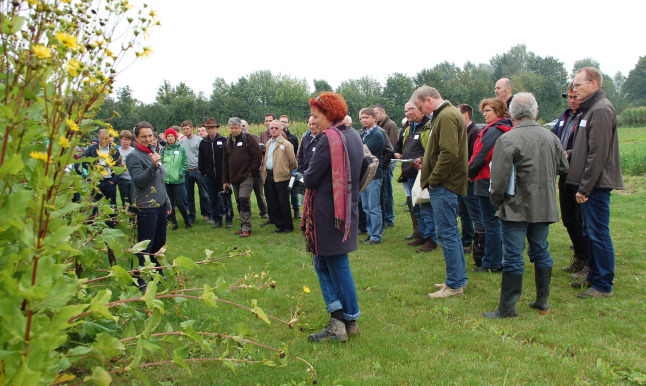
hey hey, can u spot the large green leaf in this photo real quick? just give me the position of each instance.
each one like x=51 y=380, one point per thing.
x=107 y=346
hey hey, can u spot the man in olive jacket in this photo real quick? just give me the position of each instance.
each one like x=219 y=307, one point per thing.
x=595 y=169
x=526 y=161
x=444 y=172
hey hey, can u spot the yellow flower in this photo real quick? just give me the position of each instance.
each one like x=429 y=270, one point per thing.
x=67 y=40
x=73 y=126
x=41 y=51
x=306 y=289
x=64 y=142
x=145 y=53
x=109 y=53
x=39 y=156
x=32 y=2
x=113 y=132
x=73 y=67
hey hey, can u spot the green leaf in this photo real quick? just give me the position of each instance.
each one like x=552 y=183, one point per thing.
x=12 y=165
x=243 y=330
x=209 y=297
x=60 y=235
x=108 y=346
x=259 y=312
x=151 y=323
x=121 y=275
x=97 y=305
x=229 y=365
x=179 y=354
x=184 y=264
x=221 y=286
x=99 y=376
x=138 y=354
x=140 y=246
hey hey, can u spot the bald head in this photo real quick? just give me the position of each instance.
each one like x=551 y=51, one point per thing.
x=503 y=89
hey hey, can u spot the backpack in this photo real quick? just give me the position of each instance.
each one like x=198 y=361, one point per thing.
x=369 y=167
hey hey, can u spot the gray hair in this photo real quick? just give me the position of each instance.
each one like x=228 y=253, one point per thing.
x=280 y=124
x=425 y=92
x=523 y=105
x=234 y=121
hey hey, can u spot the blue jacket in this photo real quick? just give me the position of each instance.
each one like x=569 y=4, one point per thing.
x=375 y=142
x=560 y=125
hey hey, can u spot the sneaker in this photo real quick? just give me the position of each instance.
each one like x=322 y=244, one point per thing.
x=581 y=284
x=245 y=234
x=593 y=293
x=446 y=292
x=429 y=245
x=352 y=327
x=238 y=232
x=229 y=224
x=371 y=242
x=335 y=330
x=264 y=215
x=209 y=221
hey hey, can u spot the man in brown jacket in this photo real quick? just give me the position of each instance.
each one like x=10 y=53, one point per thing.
x=241 y=163
x=279 y=162
x=444 y=172
x=596 y=171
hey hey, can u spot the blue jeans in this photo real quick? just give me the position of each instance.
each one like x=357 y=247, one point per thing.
x=294 y=199
x=337 y=285
x=387 y=204
x=371 y=205
x=190 y=179
x=601 y=254
x=469 y=210
x=493 y=243
x=425 y=216
x=445 y=208
x=513 y=241
x=214 y=187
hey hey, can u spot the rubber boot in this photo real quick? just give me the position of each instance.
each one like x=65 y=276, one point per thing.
x=512 y=287
x=543 y=276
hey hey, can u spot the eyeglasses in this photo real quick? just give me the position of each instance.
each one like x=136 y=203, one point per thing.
x=274 y=128
x=487 y=110
x=580 y=84
x=572 y=97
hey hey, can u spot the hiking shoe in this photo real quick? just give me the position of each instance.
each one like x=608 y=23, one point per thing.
x=351 y=327
x=412 y=236
x=245 y=234
x=581 y=284
x=371 y=242
x=175 y=227
x=593 y=293
x=468 y=249
x=387 y=225
x=268 y=222
x=440 y=285
x=264 y=215
x=446 y=292
x=582 y=274
x=229 y=224
x=429 y=245
x=217 y=225
x=335 y=330
x=487 y=270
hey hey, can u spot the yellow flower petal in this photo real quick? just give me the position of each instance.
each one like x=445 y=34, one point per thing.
x=64 y=142
x=73 y=126
x=67 y=40
x=306 y=289
x=41 y=51
x=73 y=67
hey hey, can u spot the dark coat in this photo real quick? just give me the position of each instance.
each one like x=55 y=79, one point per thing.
x=376 y=144
x=319 y=176
x=210 y=156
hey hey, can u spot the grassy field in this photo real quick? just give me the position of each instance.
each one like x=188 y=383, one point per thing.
x=407 y=338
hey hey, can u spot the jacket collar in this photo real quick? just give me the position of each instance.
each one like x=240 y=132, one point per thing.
x=589 y=101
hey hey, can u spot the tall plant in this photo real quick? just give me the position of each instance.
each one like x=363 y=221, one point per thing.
x=58 y=61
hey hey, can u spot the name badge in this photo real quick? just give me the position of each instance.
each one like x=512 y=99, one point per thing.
x=313 y=149
x=583 y=123
x=176 y=152
x=282 y=147
x=219 y=143
x=561 y=123
x=416 y=136
x=239 y=144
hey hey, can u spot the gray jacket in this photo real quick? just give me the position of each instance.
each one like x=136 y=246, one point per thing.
x=539 y=158
x=150 y=191
x=595 y=157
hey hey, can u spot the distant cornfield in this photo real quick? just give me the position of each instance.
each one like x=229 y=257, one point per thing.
x=632 y=117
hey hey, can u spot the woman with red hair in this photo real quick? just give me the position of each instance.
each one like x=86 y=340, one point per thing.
x=330 y=213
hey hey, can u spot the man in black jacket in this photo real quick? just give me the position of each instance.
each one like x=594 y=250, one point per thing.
x=284 y=119
x=210 y=155
x=392 y=130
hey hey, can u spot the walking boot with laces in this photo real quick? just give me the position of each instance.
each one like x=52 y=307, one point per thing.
x=429 y=245
x=335 y=330
x=542 y=276
x=578 y=263
x=582 y=274
x=351 y=327
x=512 y=287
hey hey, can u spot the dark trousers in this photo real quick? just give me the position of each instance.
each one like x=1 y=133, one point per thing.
x=151 y=225
x=571 y=216
x=107 y=190
x=127 y=192
x=278 y=202
x=190 y=179
x=258 y=191
x=175 y=194
x=363 y=221
x=214 y=187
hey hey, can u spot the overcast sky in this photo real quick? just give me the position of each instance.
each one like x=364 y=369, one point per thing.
x=338 y=40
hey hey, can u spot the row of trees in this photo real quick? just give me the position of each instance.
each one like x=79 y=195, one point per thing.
x=252 y=96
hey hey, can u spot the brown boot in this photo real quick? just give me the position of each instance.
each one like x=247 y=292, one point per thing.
x=582 y=274
x=419 y=241
x=428 y=246
x=577 y=265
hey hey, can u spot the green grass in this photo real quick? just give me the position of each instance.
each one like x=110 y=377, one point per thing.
x=407 y=338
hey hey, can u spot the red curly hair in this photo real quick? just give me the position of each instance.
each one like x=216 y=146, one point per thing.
x=332 y=105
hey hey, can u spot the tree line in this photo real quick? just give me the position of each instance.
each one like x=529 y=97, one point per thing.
x=261 y=92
